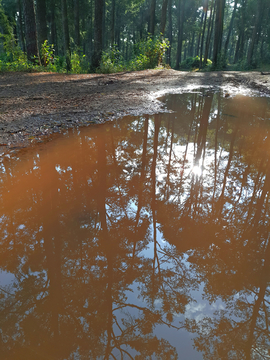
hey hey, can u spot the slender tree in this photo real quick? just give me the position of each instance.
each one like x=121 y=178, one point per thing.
x=163 y=16
x=98 y=33
x=209 y=33
x=41 y=14
x=30 y=31
x=152 y=17
x=52 y=25
x=20 y=26
x=170 y=35
x=113 y=23
x=220 y=6
x=181 y=11
x=255 y=33
x=77 y=37
x=66 y=34
x=230 y=28
x=205 y=9
x=199 y=35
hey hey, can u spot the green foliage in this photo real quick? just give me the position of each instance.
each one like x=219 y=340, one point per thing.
x=192 y=63
x=79 y=63
x=5 y=26
x=221 y=63
x=112 y=61
x=47 y=53
x=147 y=54
x=13 y=58
x=243 y=65
x=154 y=49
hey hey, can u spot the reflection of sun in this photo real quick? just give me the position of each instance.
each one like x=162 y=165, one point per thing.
x=197 y=170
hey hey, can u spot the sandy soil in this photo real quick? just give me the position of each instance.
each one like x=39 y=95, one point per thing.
x=32 y=106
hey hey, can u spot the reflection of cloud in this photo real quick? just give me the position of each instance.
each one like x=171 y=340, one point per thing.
x=217 y=306
x=193 y=308
x=199 y=310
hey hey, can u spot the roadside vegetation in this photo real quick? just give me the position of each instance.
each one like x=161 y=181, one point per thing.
x=147 y=54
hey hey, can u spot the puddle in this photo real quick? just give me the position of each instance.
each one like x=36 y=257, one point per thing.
x=144 y=236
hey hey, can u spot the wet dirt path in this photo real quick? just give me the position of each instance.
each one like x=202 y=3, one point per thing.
x=35 y=105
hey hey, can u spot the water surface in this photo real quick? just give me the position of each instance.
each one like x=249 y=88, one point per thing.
x=141 y=237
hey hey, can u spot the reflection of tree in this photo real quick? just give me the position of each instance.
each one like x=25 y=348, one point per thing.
x=222 y=221
x=77 y=255
x=232 y=256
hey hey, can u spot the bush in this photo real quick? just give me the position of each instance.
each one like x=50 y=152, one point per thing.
x=152 y=50
x=47 y=54
x=112 y=61
x=146 y=55
x=79 y=63
x=192 y=63
x=13 y=58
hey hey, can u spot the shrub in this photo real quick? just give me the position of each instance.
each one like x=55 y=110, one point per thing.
x=154 y=49
x=192 y=63
x=147 y=54
x=47 y=53
x=112 y=61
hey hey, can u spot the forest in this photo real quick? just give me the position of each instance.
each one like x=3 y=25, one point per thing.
x=86 y=36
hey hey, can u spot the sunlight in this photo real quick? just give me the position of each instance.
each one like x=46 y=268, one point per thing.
x=197 y=170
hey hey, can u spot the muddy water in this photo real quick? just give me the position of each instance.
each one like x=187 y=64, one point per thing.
x=141 y=237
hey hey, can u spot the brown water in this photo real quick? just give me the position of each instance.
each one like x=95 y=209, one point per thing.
x=141 y=237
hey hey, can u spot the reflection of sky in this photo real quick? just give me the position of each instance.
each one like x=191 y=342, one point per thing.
x=196 y=309
x=6 y=278
x=180 y=339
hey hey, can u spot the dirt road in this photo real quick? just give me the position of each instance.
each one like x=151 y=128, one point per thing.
x=35 y=105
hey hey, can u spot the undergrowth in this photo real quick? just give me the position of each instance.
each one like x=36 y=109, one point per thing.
x=14 y=59
x=147 y=54
x=193 y=63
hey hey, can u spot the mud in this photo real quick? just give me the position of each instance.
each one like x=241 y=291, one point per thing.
x=35 y=105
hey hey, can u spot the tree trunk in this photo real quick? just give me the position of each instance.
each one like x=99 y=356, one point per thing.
x=104 y=25
x=30 y=31
x=20 y=26
x=218 y=30
x=163 y=16
x=191 y=46
x=113 y=23
x=204 y=26
x=239 y=51
x=66 y=34
x=53 y=25
x=41 y=21
x=152 y=17
x=255 y=31
x=199 y=37
x=170 y=37
x=230 y=28
x=98 y=35
x=209 y=34
x=89 y=47
x=181 y=8
x=77 y=37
